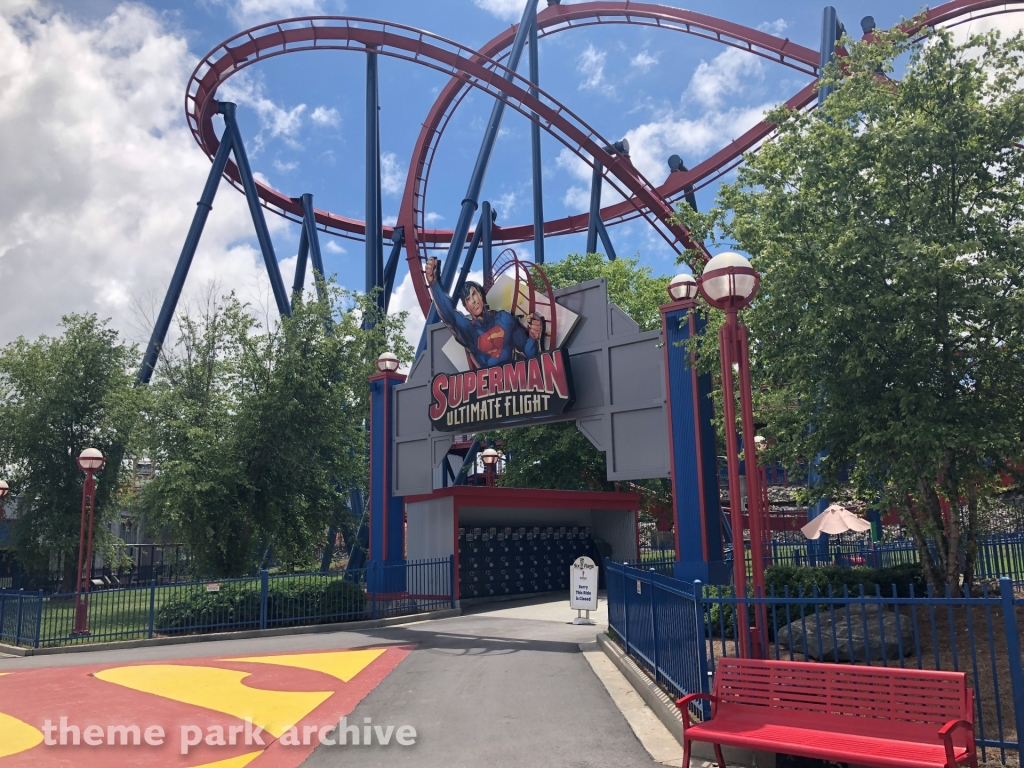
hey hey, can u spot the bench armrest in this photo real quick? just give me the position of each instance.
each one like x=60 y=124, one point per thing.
x=684 y=704
x=946 y=736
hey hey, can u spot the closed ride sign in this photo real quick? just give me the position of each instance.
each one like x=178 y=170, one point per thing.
x=583 y=585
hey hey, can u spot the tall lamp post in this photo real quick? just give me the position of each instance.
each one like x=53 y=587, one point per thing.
x=90 y=461
x=490 y=459
x=729 y=283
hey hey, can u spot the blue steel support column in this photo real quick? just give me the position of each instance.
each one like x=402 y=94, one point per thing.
x=467 y=264
x=372 y=193
x=487 y=217
x=609 y=249
x=256 y=210
x=387 y=526
x=476 y=179
x=538 y=189
x=300 y=263
x=831 y=31
x=695 y=500
x=595 y=208
x=391 y=268
x=188 y=252
x=313 y=239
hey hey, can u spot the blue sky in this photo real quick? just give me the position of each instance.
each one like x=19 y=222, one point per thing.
x=105 y=176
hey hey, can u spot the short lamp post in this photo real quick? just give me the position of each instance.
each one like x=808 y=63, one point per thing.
x=90 y=461
x=4 y=490
x=489 y=457
x=730 y=283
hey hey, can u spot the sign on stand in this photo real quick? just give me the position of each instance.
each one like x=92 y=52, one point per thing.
x=583 y=588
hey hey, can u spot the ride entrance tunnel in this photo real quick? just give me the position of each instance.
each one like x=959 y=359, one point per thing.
x=266 y=710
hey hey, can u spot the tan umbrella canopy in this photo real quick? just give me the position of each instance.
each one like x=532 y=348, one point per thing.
x=835 y=519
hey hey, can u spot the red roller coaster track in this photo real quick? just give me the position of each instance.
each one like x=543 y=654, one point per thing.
x=483 y=70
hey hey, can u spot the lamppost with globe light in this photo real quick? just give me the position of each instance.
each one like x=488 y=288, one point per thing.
x=490 y=459
x=729 y=283
x=90 y=461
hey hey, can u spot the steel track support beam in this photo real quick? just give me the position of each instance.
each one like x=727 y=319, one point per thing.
x=483 y=158
x=256 y=210
x=188 y=252
x=595 y=208
x=313 y=240
x=538 y=190
x=374 y=244
x=486 y=228
x=831 y=30
x=391 y=268
x=302 y=257
x=467 y=264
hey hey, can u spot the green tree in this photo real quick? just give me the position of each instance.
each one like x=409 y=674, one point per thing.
x=887 y=226
x=559 y=456
x=58 y=396
x=259 y=433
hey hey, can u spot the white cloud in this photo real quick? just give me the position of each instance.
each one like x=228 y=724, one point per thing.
x=432 y=218
x=776 y=27
x=392 y=174
x=505 y=205
x=403 y=299
x=247 y=91
x=249 y=13
x=324 y=116
x=591 y=65
x=389 y=221
x=643 y=61
x=101 y=174
x=509 y=10
x=577 y=199
x=652 y=143
x=726 y=75
x=569 y=161
x=284 y=167
x=333 y=246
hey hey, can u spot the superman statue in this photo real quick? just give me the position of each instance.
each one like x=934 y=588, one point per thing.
x=490 y=338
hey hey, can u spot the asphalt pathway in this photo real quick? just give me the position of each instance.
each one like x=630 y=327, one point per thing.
x=505 y=684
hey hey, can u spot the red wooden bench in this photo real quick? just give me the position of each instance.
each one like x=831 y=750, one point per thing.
x=873 y=716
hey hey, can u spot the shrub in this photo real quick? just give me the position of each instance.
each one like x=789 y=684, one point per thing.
x=290 y=601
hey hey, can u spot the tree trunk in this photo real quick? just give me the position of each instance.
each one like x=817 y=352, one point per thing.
x=971 y=545
x=932 y=571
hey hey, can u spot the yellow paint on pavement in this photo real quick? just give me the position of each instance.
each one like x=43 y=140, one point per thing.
x=233 y=762
x=343 y=665
x=16 y=736
x=220 y=690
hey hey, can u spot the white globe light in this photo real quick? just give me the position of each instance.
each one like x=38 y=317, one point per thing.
x=489 y=456
x=387 y=362
x=91 y=460
x=4 y=488
x=728 y=279
x=683 y=286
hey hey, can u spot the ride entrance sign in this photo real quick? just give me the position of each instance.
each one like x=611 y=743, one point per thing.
x=583 y=588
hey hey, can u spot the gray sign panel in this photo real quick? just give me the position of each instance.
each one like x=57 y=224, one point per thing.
x=619 y=376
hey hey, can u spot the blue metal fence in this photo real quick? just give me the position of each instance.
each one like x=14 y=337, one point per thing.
x=999 y=555
x=380 y=590
x=677 y=630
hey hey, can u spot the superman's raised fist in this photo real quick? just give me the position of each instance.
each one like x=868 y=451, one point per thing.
x=433 y=266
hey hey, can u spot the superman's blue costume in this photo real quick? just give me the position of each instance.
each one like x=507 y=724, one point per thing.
x=492 y=339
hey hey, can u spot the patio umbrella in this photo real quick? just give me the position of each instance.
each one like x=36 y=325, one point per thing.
x=835 y=519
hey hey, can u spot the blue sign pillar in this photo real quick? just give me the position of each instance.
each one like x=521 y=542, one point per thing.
x=387 y=523
x=695 y=502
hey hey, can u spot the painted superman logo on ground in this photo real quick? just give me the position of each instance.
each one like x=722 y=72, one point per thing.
x=265 y=711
